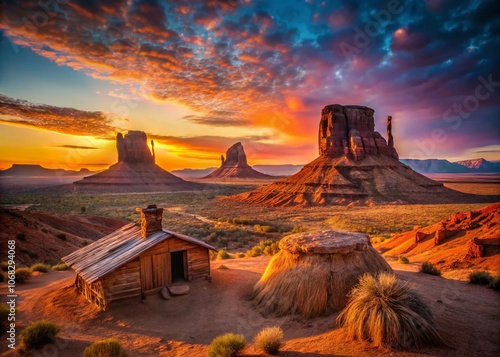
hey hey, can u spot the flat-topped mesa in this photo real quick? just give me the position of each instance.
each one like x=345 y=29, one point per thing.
x=133 y=148
x=350 y=129
x=235 y=156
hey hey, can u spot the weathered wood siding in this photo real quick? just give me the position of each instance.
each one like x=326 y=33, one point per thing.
x=94 y=292
x=198 y=263
x=123 y=283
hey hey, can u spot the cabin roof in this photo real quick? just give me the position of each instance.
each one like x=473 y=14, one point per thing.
x=118 y=248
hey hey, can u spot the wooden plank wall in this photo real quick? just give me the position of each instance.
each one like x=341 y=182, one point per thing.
x=123 y=283
x=94 y=292
x=198 y=263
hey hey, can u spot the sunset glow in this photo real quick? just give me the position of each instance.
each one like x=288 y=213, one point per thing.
x=199 y=76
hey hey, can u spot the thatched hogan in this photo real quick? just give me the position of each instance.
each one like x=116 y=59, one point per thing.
x=137 y=260
x=314 y=272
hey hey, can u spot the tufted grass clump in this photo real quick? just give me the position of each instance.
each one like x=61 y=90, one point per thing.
x=60 y=267
x=228 y=345
x=429 y=268
x=269 y=339
x=105 y=348
x=22 y=274
x=42 y=268
x=38 y=334
x=480 y=277
x=388 y=312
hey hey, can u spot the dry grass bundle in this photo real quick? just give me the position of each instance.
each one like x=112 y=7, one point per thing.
x=313 y=284
x=386 y=311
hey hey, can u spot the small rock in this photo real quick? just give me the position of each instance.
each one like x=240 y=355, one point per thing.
x=165 y=294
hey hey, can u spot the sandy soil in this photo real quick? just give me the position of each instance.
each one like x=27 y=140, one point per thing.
x=468 y=316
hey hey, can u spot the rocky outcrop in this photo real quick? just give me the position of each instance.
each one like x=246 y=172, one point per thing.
x=135 y=170
x=235 y=166
x=355 y=166
x=350 y=130
x=133 y=148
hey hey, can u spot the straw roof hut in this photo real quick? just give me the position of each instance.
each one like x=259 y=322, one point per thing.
x=314 y=272
x=137 y=260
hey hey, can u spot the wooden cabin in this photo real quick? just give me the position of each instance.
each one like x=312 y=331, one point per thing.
x=138 y=260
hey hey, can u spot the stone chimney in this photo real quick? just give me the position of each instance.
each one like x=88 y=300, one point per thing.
x=150 y=220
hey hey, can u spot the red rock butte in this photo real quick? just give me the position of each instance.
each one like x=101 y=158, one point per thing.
x=135 y=170
x=356 y=164
x=235 y=166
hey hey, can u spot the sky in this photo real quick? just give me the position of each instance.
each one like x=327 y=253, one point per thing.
x=198 y=76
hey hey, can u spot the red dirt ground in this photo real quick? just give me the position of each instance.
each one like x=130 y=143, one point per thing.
x=467 y=315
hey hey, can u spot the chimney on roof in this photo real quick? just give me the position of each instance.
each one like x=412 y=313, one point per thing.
x=150 y=220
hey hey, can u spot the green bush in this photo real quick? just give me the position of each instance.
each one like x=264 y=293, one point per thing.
x=38 y=334
x=240 y=255
x=495 y=283
x=22 y=274
x=227 y=345
x=105 y=348
x=264 y=229
x=40 y=267
x=429 y=268
x=403 y=260
x=60 y=267
x=269 y=339
x=480 y=277
x=223 y=254
x=254 y=252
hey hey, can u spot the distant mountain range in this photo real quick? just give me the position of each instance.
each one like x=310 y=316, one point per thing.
x=445 y=166
x=22 y=170
x=422 y=166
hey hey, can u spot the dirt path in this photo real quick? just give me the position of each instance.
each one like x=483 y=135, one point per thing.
x=468 y=316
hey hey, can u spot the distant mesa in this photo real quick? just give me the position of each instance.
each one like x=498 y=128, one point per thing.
x=235 y=166
x=136 y=169
x=356 y=166
x=28 y=170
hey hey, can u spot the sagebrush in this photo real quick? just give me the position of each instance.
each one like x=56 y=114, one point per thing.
x=388 y=312
x=429 y=268
x=105 y=348
x=38 y=334
x=269 y=339
x=480 y=277
x=228 y=345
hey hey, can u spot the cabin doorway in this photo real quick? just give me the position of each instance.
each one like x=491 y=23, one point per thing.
x=178 y=261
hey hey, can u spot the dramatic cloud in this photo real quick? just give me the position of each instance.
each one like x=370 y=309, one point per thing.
x=60 y=120
x=237 y=62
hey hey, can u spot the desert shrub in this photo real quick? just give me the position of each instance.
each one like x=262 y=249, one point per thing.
x=83 y=209
x=4 y=314
x=61 y=236
x=240 y=255
x=429 y=268
x=38 y=334
x=386 y=311
x=295 y=229
x=264 y=229
x=254 y=252
x=495 y=283
x=403 y=260
x=40 y=267
x=21 y=236
x=85 y=243
x=22 y=274
x=269 y=339
x=60 y=267
x=227 y=345
x=480 y=277
x=222 y=267
x=105 y=348
x=223 y=254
